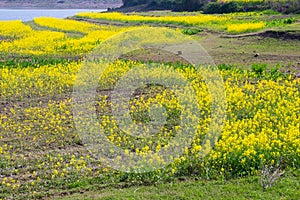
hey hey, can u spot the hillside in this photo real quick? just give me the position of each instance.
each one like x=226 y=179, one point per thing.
x=60 y=4
x=211 y=6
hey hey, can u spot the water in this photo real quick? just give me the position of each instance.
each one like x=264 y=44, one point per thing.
x=30 y=14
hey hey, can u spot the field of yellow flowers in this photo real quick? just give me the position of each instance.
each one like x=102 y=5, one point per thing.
x=41 y=153
x=233 y=23
x=22 y=39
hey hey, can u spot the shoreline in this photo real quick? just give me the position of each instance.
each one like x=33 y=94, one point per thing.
x=81 y=6
x=44 y=8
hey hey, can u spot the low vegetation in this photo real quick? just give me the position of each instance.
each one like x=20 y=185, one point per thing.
x=219 y=6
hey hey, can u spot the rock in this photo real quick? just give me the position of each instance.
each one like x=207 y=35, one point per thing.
x=297 y=75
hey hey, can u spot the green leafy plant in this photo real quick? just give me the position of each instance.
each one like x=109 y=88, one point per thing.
x=191 y=31
x=259 y=68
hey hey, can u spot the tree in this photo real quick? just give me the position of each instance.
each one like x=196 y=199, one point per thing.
x=135 y=2
x=178 y=5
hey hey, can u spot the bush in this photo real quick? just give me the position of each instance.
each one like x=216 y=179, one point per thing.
x=215 y=7
x=211 y=8
x=270 y=12
x=191 y=31
x=230 y=7
x=289 y=21
x=259 y=68
x=225 y=67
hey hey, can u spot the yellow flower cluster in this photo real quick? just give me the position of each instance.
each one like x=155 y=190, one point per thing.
x=262 y=123
x=38 y=42
x=184 y=20
x=18 y=83
x=14 y=29
x=245 y=27
x=10 y=182
x=66 y=25
x=47 y=42
x=232 y=22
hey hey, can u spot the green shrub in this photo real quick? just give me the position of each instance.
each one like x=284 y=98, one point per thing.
x=270 y=12
x=225 y=67
x=215 y=7
x=289 y=20
x=259 y=68
x=191 y=31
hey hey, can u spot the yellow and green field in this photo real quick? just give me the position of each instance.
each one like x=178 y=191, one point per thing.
x=42 y=154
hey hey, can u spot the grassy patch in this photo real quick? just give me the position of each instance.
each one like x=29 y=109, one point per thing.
x=242 y=188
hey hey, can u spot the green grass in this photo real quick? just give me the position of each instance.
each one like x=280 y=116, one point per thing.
x=287 y=187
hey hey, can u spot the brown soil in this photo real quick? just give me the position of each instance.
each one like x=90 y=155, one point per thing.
x=154 y=55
